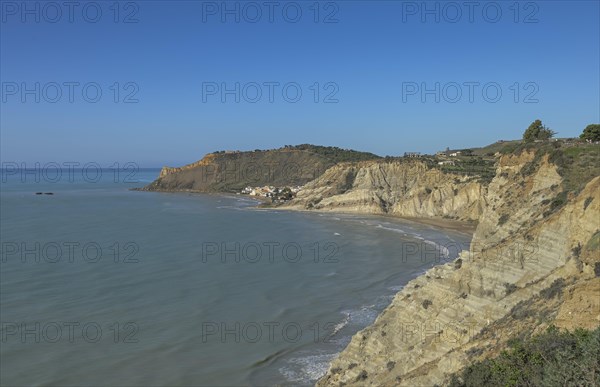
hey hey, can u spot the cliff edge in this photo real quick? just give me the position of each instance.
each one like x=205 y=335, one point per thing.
x=534 y=261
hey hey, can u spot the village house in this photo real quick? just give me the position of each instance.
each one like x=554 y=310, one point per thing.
x=443 y=153
x=270 y=191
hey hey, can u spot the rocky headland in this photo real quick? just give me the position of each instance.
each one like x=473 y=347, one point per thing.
x=232 y=171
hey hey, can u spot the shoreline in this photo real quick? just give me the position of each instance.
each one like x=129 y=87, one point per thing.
x=460 y=226
x=263 y=203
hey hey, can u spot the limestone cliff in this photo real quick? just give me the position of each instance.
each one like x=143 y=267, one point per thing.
x=534 y=261
x=402 y=188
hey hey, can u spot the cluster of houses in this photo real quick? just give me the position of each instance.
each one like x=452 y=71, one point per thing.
x=275 y=193
x=446 y=153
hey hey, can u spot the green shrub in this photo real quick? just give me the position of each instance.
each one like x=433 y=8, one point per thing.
x=537 y=131
x=556 y=203
x=509 y=288
x=576 y=250
x=529 y=169
x=554 y=358
x=594 y=243
x=591 y=132
x=554 y=289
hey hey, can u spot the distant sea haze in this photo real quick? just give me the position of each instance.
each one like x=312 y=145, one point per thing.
x=100 y=285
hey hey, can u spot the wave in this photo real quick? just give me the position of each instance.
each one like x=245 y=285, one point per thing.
x=442 y=249
x=339 y=326
x=362 y=316
x=393 y=229
x=307 y=369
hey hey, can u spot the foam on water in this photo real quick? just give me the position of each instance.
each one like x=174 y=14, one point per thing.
x=307 y=369
x=362 y=316
x=339 y=326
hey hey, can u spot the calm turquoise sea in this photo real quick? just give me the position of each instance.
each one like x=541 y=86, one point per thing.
x=100 y=285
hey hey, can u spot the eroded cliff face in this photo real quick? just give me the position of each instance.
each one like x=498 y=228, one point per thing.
x=532 y=263
x=407 y=188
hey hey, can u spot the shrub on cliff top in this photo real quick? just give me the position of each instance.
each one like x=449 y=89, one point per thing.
x=591 y=133
x=537 y=131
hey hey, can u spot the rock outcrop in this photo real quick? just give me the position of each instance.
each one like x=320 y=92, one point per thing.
x=232 y=171
x=534 y=261
x=403 y=188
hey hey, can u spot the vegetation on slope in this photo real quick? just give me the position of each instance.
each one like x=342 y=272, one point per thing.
x=554 y=358
x=335 y=154
x=577 y=162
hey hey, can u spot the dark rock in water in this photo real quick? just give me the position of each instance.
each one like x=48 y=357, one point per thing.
x=48 y=193
x=39 y=193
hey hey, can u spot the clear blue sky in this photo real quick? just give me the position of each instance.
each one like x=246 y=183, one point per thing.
x=374 y=51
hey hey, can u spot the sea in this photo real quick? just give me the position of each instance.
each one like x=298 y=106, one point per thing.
x=103 y=285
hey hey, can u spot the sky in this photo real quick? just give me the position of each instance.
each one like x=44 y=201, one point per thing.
x=165 y=82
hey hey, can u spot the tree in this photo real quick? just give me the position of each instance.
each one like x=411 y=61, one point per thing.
x=591 y=133
x=537 y=131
